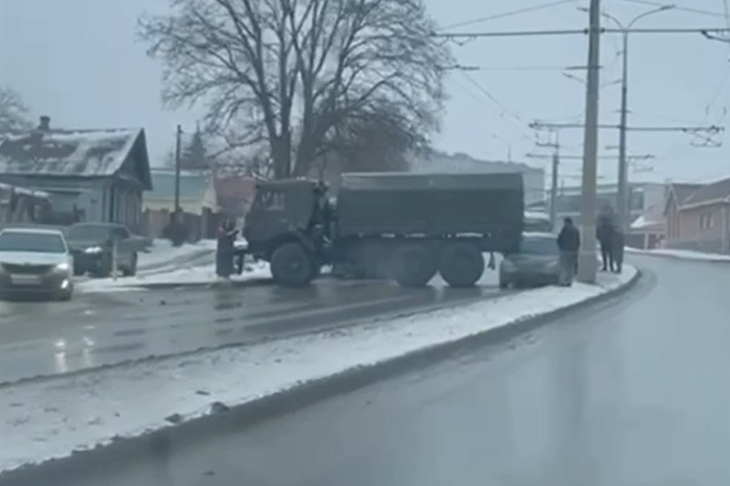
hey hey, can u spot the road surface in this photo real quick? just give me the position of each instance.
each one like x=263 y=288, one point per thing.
x=42 y=338
x=628 y=393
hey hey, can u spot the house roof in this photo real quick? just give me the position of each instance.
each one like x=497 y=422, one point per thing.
x=713 y=193
x=193 y=184
x=680 y=192
x=74 y=153
x=651 y=219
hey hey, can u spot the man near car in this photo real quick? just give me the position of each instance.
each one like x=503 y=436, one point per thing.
x=568 y=245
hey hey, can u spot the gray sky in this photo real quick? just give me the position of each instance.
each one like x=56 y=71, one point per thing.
x=78 y=62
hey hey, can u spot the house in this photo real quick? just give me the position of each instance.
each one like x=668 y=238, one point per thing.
x=90 y=175
x=197 y=202
x=698 y=217
x=642 y=196
x=649 y=230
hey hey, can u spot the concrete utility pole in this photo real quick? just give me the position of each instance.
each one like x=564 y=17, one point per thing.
x=587 y=265
x=623 y=173
x=554 y=178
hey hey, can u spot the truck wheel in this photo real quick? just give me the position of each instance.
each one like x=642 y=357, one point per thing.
x=414 y=266
x=461 y=265
x=292 y=266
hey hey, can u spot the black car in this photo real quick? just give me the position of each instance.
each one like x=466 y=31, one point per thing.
x=94 y=247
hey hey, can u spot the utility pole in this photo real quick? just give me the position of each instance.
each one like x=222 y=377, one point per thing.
x=178 y=148
x=555 y=145
x=623 y=177
x=587 y=266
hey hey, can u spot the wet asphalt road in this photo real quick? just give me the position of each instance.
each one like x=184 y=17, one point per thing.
x=633 y=392
x=42 y=338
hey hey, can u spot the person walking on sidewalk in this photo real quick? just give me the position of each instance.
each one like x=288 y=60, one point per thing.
x=617 y=249
x=604 y=235
x=568 y=245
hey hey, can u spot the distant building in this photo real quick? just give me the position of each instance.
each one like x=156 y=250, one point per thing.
x=534 y=178
x=198 y=203
x=90 y=175
x=642 y=196
x=698 y=216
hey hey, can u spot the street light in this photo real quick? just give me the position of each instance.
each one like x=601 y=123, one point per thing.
x=623 y=183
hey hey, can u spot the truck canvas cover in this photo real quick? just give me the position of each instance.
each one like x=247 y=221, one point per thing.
x=430 y=204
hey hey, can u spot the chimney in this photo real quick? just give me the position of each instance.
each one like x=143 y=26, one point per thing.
x=45 y=124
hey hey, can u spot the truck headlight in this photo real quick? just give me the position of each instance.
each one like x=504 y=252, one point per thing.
x=93 y=249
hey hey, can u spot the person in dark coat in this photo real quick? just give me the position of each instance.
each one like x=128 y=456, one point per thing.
x=617 y=249
x=604 y=234
x=225 y=249
x=568 y=245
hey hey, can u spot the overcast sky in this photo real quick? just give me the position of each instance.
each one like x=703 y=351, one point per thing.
x=78 y=61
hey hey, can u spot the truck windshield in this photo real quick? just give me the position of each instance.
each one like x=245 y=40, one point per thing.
x=31 y=242
x=88 y=232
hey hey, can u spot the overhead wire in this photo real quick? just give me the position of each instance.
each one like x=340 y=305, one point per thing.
x=510 y=13
x=697 y=11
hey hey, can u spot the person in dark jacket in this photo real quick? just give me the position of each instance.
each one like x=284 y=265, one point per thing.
x=225 y=249
x=617 y=249
x=568 y=245
x=604 y=234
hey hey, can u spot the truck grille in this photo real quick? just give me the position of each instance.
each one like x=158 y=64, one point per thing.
x=30 y=269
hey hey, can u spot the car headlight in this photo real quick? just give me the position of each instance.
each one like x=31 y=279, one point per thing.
x=63 y=267
x=93 y=249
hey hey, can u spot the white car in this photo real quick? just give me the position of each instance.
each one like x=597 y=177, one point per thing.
x=35 y=261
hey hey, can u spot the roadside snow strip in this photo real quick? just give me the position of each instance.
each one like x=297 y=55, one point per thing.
x=51 y=419
x=683 y=255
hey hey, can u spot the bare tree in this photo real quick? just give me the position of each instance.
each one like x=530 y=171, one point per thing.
x=269 y=68
x=14 y=112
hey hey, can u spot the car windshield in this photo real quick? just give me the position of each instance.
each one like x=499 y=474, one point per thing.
x=88 y=232
x=539 y=246
x=31 y=242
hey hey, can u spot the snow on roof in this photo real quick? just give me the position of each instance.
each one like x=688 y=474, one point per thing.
x=24 y=191
x=86 y=153
x=651 y=218
x=537 y=215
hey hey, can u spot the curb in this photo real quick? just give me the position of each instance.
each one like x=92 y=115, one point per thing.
x=678 y=257
x=157 y=443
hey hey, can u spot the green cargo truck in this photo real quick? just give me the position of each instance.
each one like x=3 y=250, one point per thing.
x=413 y=225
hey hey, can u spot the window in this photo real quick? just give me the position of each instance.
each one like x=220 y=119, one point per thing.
x=88 y=232
x=32 y=242
x=707 y=220
x=270 y=200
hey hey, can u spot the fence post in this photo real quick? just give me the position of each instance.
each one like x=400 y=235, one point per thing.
x=115 y=251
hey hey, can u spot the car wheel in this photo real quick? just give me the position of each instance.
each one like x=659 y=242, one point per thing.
x=503 y=283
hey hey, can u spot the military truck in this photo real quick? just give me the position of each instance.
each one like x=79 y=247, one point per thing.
x=415 y=225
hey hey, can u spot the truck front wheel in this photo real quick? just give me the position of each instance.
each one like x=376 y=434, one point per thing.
x=461 y=265
x=292 y=266
x=414 y=266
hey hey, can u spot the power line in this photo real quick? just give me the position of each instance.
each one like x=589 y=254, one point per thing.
x=562 y=32
x=537 y=125
x=510 y=13
x=678 y=8
x=580 y=157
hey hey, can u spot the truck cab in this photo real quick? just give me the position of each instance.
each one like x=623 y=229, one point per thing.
x=288 y=226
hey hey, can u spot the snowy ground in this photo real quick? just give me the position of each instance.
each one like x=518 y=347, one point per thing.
x=195 y=275
x=683 y=254
x=50 y=418
x=162 y=253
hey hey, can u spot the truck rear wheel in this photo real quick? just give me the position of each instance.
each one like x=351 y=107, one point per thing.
x=414 y=266
x=461 y=265
x=292 y=265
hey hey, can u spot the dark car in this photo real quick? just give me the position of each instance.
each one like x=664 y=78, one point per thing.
x=94 y=246
x=536 y=263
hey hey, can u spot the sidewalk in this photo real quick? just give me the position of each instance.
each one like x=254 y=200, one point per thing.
x=682 y=254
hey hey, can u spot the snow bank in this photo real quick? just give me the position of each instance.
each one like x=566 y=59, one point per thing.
x=202 y=275
x=51 y=418
x=162 y=253
x=683 y=254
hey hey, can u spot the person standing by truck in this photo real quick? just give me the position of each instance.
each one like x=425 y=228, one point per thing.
x=568 y=245
x=617 y=249
x=225 y=249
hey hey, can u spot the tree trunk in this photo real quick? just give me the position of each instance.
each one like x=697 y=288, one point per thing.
x=281 y=157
